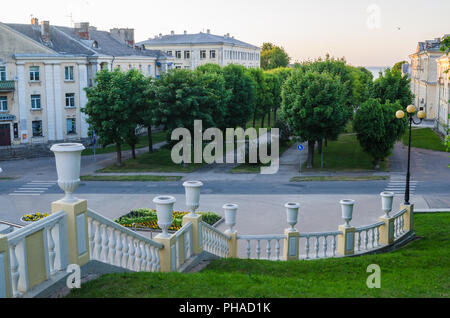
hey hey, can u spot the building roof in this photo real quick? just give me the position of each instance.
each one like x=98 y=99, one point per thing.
x=65 y=41
x=199 y=38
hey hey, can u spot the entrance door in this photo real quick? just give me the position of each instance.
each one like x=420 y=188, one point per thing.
x=5 y=135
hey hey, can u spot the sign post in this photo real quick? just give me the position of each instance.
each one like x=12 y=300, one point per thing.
x=300 y=149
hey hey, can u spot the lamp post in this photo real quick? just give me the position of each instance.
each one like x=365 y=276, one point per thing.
x=421 y=115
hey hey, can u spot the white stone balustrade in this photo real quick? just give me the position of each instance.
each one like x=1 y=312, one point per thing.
x=263 y=246
x=214 y=241
x=318 y=245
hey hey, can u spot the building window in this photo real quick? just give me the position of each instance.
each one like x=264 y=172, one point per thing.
x=71 y=126
x=68 y=73
x=70 y=100
x=169 y=53
x=178 y=54
x=2 y=73
x=178 y=67
x=187 y=55
x=35 y=101
x=34 y=73
x=212 y=54
x=3 y=103
x=37 y=128
x=149 y=70
x=187 y=67
x=203 y=54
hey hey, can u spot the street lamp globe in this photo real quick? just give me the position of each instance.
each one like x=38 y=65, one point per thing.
x=400 y=114
x=421 y=114
x=411 y=109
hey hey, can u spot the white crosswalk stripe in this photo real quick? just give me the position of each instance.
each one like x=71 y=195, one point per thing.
x=33 y=188
x=397 y=184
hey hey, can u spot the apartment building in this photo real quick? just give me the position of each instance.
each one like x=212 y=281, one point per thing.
x=44 y=70
x=443 y=94
x=192 y=50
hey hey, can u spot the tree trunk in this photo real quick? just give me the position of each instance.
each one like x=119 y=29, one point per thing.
x=254 y=120
x=268 y=119
x=309 y=164
x=319 y=146
x=326 y=142
x=119 y=154
x=263 y=118
x=133 y=151
x=150 y=141
x=275 y=115
x=376 y=163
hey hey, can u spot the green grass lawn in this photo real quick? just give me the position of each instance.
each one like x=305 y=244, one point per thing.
x=420 y=269
x=131 y=178
x=339 y=178
x=142 y=142
x=345 y=154
x=158 y=161
x=424 y=138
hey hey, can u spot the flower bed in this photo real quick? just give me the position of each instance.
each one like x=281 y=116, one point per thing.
x=34 y=217
x=146 y=219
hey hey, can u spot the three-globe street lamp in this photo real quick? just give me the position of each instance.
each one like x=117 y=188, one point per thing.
x=421 y=115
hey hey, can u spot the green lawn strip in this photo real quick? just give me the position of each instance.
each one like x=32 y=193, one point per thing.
x=339 y=178
x=142 y=142
x=345 y=154
x=420 y=269
x=158 y=161
x=7 y=178
x=256 y=168
x=424 y=138
x=131 y=178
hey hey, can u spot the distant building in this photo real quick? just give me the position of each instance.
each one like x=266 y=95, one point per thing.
x=443 y=94
x=193 y=50
x=44 y=70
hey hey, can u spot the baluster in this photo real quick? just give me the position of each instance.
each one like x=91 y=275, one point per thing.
x=138 y=262
x=148 y=258
x=258 y=249
x=154 y=251
x=105 y=245
x=51 y=250
x=112 y=247
x=277 y=247
x=132 y=253
x=98 y=241
x=125 y=251
x=158 y=261
x=248 y=249
x=366 y=239
x=334 y=245
x=268 y=249
x=359 y=240
x=91 y=236
x=317 y=247
x=307 y=247
x=177 y=253
x=402 y=224
x=373 y=237
x=119 y=247
x=15 y=274
x=325 y=245
x=378 y=236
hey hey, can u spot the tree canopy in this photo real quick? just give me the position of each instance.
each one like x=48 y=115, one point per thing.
x=273 y=56
x=391 y=86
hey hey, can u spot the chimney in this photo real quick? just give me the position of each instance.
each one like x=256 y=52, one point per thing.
x=123 y=35
x=172 y=32
x=185 y=32
x=35 y=21
x=208 y=31
x=82 y=29
x=228 y=35
x=160 y=35
x=45 y=31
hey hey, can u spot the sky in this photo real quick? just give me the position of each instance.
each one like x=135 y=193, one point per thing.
x=365 y=32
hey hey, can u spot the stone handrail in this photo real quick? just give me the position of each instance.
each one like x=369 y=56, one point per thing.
x=369 y=235
x=399 y=228
x=321 y=241
x=47 y=238
x=114 y=244
x=268 y=239
x=183 y=249
x=214 y=241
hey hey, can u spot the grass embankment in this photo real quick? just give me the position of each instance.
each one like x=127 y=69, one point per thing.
x=339 y=178
x=345 y=154
x=131 y=178
x=419 y=269
x=424 y=138
x=142 y=142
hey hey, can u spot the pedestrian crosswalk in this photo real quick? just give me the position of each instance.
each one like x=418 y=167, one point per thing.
x=397 y=184
x=33 y=188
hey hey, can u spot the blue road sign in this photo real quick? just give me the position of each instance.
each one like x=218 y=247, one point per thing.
x=300 y=148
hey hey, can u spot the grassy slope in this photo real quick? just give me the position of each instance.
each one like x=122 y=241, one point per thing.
x=421 y=269
x=143 y=178
x=424 y=138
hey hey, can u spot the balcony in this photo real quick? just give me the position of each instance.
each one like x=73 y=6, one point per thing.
x=7 y=86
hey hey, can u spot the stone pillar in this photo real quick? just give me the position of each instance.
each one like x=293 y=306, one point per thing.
x=346 y=240
x=50 y=102
x=77 y=229
x=196 y=232
x=23 y=111
x=408 y=217
x=232 y=244
x=83 y=82
x=167 y=254
x=58 y=102
x=291 y=245
x=386 y=231
x=5 y=281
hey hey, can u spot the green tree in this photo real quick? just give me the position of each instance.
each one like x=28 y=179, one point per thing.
x=240 y=104
x=362 y=84
x=378 y=128
x=272 y=99
x=391 y=86
x=283 y=74
x=398 y=66
x=259 y=111
x=108 y=109
x=313 y=106
x=273 y=56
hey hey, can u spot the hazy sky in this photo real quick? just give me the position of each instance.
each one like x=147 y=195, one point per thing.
x=365 y=32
